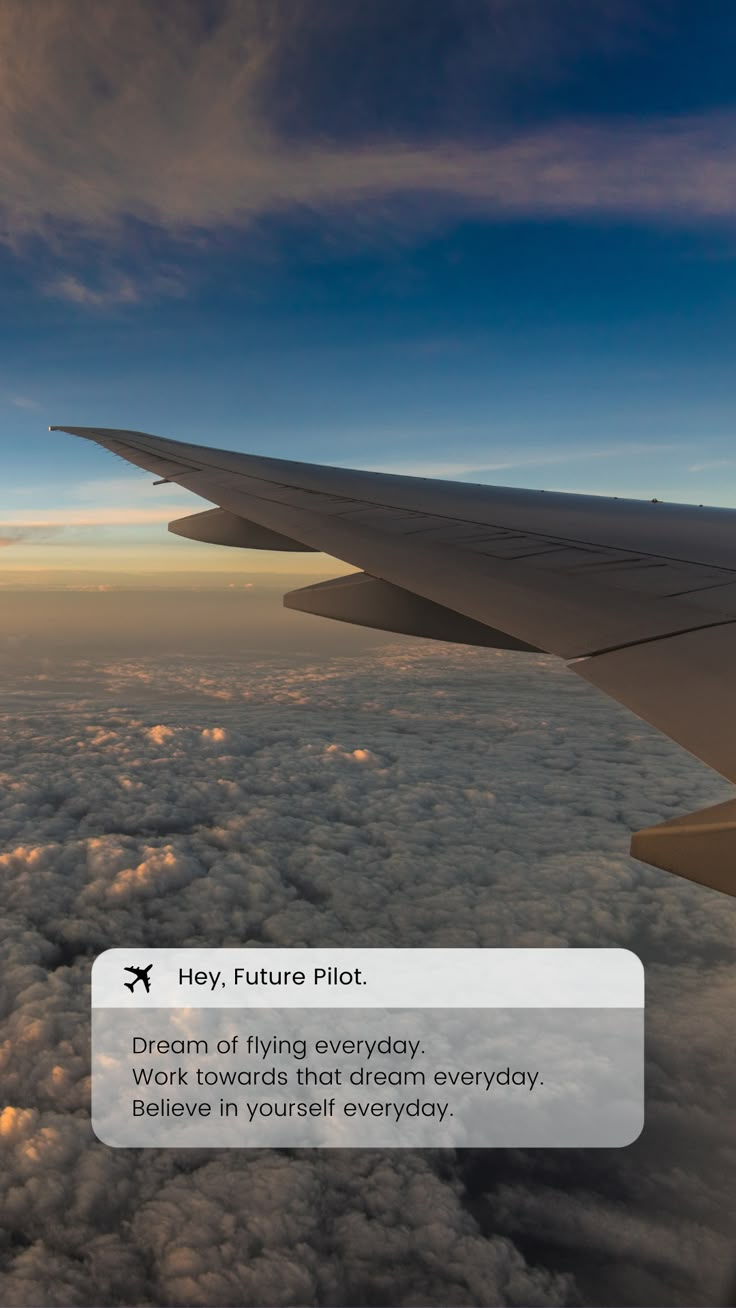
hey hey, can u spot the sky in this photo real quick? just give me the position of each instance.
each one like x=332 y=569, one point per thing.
x=488 y=240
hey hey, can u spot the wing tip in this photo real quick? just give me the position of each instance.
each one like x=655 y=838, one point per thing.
x=89 y=432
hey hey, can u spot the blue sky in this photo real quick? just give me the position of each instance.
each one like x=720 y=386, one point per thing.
x=489 y=241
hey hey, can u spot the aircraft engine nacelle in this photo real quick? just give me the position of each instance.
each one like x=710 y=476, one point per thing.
x=218 y=527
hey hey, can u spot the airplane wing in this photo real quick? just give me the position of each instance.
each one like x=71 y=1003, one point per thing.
x=638 y=597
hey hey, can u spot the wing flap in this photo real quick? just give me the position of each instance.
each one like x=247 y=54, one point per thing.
x=218 y=527
x=700 y=846
x=370 y=602
x=684 y=686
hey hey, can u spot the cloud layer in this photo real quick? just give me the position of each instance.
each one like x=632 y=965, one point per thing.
x=419 y=796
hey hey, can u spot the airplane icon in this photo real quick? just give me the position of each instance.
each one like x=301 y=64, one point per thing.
x=141 y=974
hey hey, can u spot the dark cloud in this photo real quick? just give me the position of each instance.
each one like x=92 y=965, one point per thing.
x=186 y=118
x=417 y=796
x=412 y=71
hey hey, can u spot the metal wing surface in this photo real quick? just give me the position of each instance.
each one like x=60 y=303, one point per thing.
x=638 y=597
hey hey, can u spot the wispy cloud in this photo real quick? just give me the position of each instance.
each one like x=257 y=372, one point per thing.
x=132 y=516
x=24 y=402
x=71 y=288
x=114 y=290
x=457 y=469
x=128 y=112
x=708 y=464
x=25 y=534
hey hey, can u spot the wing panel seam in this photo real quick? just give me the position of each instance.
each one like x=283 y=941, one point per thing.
x=651 y=640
